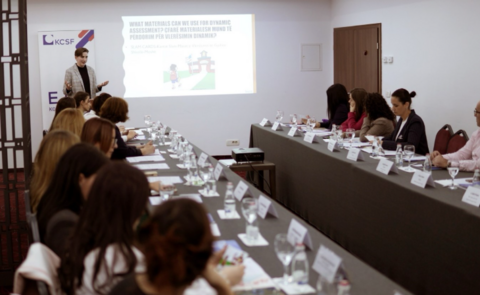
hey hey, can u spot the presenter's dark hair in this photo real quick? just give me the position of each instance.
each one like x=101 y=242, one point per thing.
x=80 y=51
x=177 y=242
x=376 y=107
x=116 y=200
x=80 y=96
x=404 y=96
x=336 y=96
x=115 y=109
x=64 y=190
x=98 y=102
x=64 y=103
x=359 y=95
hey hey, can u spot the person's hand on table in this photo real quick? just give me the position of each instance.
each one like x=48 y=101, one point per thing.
x=122 y=129
x=158 y=185
x=131 y=134
x=233 y=273
x=440 y=161
x=148 y=149
x=434 y=155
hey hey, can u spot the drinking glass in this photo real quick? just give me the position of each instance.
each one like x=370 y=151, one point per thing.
x=293 y=119
x=147 y=119
x=205 y=174
x=162 y=136
x=409 y=151
x=350 y=134
x=249 y=210
x=311 y=122
x=187 y=162
x=279 y=116
x=340 y=137
x=453 y=171
x=194 y=177
x=166 y=190
x=285 y=252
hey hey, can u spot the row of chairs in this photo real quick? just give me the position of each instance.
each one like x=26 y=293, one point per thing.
x=447 y=142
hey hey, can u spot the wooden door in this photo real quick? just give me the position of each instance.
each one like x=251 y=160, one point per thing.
x=357 y=57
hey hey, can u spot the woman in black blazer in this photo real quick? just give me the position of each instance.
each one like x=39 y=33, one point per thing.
x=410 y=129
x=337 y=105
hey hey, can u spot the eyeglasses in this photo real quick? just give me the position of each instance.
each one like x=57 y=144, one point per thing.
x=475 y=112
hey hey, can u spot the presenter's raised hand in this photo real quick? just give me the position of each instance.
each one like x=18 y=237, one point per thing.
x=103 y=84
x=68 y=86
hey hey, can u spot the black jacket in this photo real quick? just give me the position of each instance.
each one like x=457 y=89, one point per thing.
x=412 y=133
x=122 y=151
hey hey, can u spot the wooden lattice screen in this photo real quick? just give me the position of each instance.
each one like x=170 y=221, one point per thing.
x=15 y=138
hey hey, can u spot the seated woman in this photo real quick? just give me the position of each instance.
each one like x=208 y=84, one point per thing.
x=52 y=147
x=177 y=244
x=100 y=133
x=101 y=249
x=64 y=198
x=410 y=129
x=70 y=120
x=97 y=103
x=63 y=103
x=82 y=99
x=357 y=110
x=380 y=120
x=337 y=106
x=115 y=109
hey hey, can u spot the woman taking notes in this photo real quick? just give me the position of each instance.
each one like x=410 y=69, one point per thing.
x=380 y=120
x=357 y=110
x=410 y=129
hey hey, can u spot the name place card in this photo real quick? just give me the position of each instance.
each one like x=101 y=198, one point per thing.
x=218 y=172
x=472 y=196
x=293 y=132
x=355 y=154
x=240 y=190
x=332 y=145
x=297 y=233
x=422 y=178
x=202 y=159
x=265 y=123
x=326 y=263
x=265 y=206
x=277 y=127
x=385 y=166
x=310 y=137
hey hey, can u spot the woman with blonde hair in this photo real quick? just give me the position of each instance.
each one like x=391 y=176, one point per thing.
x=53 y=146
x=69 y=119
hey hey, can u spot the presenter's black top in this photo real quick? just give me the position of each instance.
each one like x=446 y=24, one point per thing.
x=122 y=151
x=128 y=286
x=86 y=81
x=340 y=115
x=413 y=132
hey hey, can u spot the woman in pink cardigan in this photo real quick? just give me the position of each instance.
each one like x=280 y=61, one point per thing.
x=357 y=110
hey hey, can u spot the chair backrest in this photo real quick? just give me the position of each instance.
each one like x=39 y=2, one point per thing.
x=31 y=218
x=40 y=266
x=458 y=140
x=442 y=138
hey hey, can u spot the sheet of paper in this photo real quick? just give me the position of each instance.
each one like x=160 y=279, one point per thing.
x=194 y=197
x=156 y=158
x=254 y=278
x=152 y=166
x=294 y=289
x=259 y=242
x=458 y=181
x=155 y=200
x=165 y=179
x=221 y=214
x=368 y=149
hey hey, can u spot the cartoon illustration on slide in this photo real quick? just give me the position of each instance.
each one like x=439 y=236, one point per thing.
x=196 y=74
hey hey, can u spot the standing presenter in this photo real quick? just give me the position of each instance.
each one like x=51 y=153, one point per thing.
x=81 y=77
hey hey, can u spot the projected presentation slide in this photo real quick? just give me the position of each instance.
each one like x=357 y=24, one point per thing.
x=189 y=55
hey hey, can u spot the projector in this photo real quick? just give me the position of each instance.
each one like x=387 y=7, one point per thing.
x=248 y=155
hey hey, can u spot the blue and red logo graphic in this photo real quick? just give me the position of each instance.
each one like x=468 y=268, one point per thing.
x=86 y=36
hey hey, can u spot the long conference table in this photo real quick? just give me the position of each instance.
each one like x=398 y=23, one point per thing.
x=426 y=240
x=363 y=278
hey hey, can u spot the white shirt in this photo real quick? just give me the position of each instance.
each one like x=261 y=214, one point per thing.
x=400 y=129
x=89 y=115
x=114 y=264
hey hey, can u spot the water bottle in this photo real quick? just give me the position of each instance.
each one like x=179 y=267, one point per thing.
x=427 y=165
x=476 y=176
x=300 y=265
x=229 y=202
x=399 y=157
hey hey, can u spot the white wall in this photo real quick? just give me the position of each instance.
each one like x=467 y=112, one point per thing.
x=436 y=53
x=281 y=26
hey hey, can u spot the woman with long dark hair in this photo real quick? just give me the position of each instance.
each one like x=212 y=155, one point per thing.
x=100 y=251
x=380 y=120
x=64 y=198
x=337 y=105
x=357 y=110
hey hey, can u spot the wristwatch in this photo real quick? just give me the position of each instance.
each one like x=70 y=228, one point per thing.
x=449 y=164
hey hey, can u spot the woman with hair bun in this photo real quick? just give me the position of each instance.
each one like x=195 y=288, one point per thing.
x=177 y=244
x=410 y=129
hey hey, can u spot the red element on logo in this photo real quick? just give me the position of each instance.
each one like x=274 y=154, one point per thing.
x=82 y=33
x=91 y=37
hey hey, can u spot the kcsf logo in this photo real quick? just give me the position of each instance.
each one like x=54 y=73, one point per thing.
x=85 y=36
x=50 y=40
